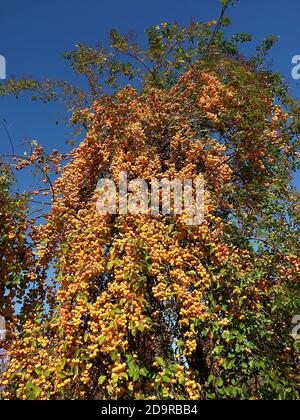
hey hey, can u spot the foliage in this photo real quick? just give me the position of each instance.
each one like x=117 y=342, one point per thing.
x=15 y=251
x=144 y=307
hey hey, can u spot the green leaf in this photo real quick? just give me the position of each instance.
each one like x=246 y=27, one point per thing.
x=136 y=375
x=141 y=327
x=115 y=378
x=210 y=379
x=180 y=343
x=113 y=263
x=36 y=392
x=101 y=379
x=226 y=336
x=101 y=340
x=118 y=311
x=219 y=382
x=38 y=370
x=144 y=372
x=113 y=355
x=124 y=375
x=181 y=380
x=110 y=265
x=29 y=385
x=160 y=361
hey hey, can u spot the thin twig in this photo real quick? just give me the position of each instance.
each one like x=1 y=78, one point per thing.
x=217 y=28
x=8 y=136
x=14 y=156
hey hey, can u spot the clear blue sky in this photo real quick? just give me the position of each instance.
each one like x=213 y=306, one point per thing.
x=35 y=33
